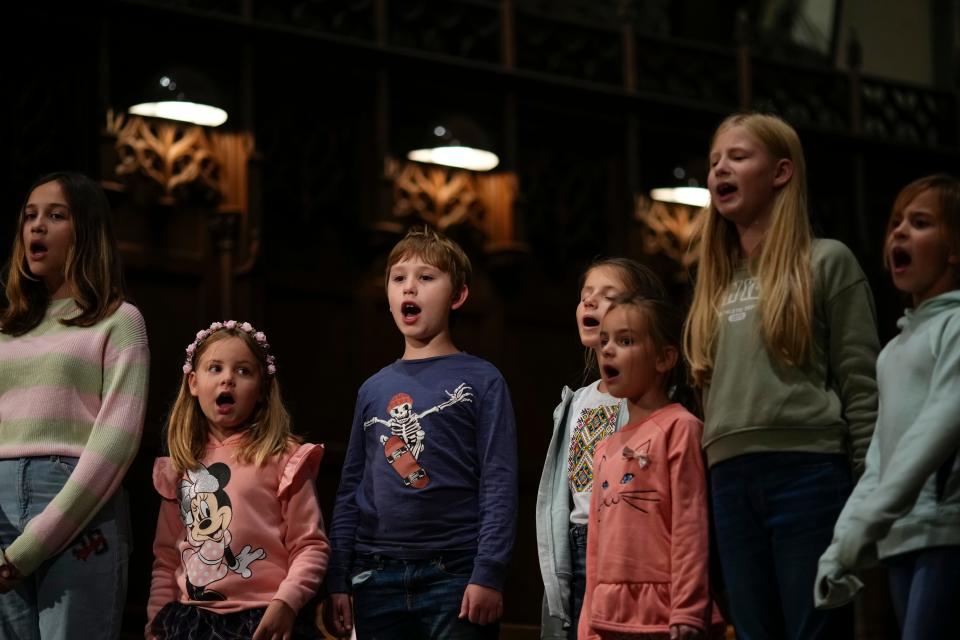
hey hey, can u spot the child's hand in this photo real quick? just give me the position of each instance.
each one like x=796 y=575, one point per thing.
x=684 y=632
x=340 y=615
x=277 y=622
x=9 y=576
x=481 y=605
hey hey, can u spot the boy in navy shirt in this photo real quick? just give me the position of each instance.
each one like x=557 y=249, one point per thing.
x=425 y=515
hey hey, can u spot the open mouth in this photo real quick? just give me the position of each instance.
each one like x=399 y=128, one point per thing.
x=900 y=258
x=725 y=189
x=225 y=401
x=590 y=322
x=37 y=249
x=609 y=371
x=409 y=309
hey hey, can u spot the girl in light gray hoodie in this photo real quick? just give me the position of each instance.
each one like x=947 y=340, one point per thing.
x=906 y=507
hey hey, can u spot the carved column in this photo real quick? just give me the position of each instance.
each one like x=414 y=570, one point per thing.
x=223 y=233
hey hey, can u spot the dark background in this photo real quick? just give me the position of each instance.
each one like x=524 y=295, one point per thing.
x=588 y=103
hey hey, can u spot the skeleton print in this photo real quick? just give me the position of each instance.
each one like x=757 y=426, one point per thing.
x=405 y=423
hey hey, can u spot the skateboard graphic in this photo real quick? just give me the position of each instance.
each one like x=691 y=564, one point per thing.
x=405 y=443
x=402 y=460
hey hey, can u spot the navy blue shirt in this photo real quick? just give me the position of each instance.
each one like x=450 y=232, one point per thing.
x=453 y=415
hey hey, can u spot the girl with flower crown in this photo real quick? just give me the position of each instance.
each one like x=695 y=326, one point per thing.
x=240 y=546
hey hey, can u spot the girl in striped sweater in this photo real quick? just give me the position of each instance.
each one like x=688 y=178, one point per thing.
x=73 y=385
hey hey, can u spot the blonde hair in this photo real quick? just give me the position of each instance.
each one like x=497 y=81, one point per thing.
x=92 y=268
x=268 y=432
x=435 y=249
x=783 y=267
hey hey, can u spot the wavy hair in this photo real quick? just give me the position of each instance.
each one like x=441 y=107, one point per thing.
x=93 y=263
x=268 y=431
x=782 y=268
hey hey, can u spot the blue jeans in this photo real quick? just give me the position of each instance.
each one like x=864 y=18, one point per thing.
x=925 y=586
x=410 y=599
x=79 y=592
x=774 y=515
x=578 y=560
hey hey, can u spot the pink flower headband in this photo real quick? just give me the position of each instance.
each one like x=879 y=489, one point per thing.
x=258 y=336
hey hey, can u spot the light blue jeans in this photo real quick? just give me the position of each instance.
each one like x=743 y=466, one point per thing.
x=80 y=592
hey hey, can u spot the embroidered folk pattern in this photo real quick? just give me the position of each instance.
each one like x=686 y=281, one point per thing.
x=593 y=425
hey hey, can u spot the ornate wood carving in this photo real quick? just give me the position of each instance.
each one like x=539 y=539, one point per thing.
x=668 y=230
x=173 y=180
x=171 y=155
x=444 y=198
x=184 y=161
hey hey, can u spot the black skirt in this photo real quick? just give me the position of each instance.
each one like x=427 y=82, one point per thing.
x=178 y=621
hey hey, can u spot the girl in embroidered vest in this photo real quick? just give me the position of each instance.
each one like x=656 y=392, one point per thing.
x=647 y=559
x=582 y=420
x=240 y=546
x=782 y=340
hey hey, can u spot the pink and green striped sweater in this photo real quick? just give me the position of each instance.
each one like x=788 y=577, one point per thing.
x=73 y=391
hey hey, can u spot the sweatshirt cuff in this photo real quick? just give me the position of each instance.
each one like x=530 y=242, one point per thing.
x=488 y=574
x=25 y=557
x=834 y=587
x=336 y=581
x=338 y=571
x=293 y=597
x=690 y=620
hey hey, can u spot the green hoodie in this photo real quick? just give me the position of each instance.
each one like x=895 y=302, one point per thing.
x=753 y=404
x=909 y=497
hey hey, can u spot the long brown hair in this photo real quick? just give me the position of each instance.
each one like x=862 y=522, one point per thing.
x=268 y=430
x=783 y=268
x=93 y=264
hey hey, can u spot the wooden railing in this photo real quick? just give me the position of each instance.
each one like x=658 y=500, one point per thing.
x=594 y=45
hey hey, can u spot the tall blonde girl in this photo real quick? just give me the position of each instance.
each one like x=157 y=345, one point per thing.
x=781 y=338
x=240 y=546
x=580 y=422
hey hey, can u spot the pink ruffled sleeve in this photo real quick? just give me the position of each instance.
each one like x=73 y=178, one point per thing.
x=166 y=559
x=165 y=478
x=305 y=539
